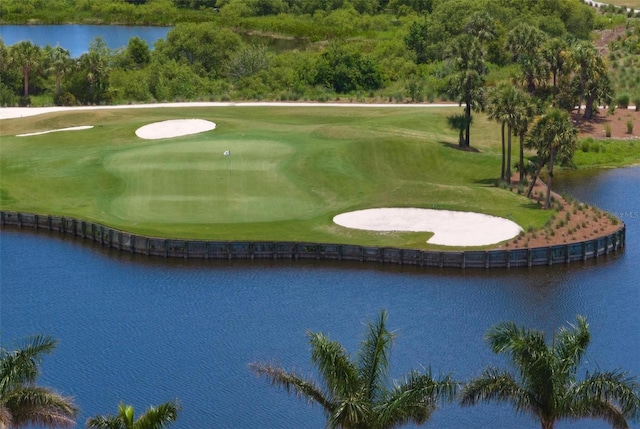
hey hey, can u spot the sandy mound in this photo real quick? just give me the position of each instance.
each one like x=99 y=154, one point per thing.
x=174 y=128
x=450 y=228
x=82 y=127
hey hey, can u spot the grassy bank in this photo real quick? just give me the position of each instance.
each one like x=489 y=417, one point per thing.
x=290 y=171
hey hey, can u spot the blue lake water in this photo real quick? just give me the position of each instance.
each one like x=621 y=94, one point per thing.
x=76 y=38
x=144 y=330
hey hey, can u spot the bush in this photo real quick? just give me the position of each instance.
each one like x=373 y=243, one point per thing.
x=24 y=102
x=636 y=101
x=584 y=145
x=65 y=99
x=623 y=101
x=607 y=131
x=629 y=127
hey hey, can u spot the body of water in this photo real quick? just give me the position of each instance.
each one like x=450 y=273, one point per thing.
x=144 y=330
x=76 y=38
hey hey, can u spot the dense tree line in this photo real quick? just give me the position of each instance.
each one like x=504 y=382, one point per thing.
x=389 y=49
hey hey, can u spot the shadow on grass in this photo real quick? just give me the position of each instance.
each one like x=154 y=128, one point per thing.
x=458 y=147
x=487 y=182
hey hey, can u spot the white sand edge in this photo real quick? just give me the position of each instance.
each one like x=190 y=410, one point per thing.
x=81 y=127
x=174 y=128
x=450 y=228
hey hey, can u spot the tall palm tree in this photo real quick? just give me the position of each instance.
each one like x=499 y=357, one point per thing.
x=24 y=403
x=154 y=418
x=591 y=77
x=555 y=139
x=546 y=384
x=28 y=57
x=356 y=394
x=525 y=44
x=555 y=52
x=466 y=83
x=525 y=111
x=501 y=108
x=59 y=62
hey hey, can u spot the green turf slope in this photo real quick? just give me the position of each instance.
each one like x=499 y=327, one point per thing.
x=291 y=169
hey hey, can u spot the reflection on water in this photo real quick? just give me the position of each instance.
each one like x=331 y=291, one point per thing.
x=146 y=330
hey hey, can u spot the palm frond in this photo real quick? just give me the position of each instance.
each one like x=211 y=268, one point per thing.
x=529 y=353
x=105 y=422
x=415 y=398
x=570 y=345
x=22 y=365
x=292 y=382
x=352 y=413
x=613 y=387
x=5 y=417
x=40 y=406
x=158 y=417
x=497 y=386
x=334 y=366
x=374 y=357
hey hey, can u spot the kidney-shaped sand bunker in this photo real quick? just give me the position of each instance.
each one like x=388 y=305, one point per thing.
x=450 y=228
x=174 y=128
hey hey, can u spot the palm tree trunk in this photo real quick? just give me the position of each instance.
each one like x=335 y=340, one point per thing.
x=521 y=157
x=502 y=171
x=467 y=112
x=550 y=180
x=534 y=179
x=25 y=75
x=508 y=171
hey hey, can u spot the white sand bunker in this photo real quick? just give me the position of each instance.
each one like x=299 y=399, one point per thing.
x=450 y=228
x=174 y=128
x=82 y=127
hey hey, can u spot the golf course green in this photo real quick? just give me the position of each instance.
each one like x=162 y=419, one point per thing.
x=288 y=172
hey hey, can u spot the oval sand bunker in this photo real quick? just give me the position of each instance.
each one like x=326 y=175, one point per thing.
x=450 y=228
x=174 y=128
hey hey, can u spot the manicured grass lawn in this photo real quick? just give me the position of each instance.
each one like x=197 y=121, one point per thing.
x=290 y=171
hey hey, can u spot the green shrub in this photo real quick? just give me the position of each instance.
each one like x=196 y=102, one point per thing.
x=629 y=127
x=623 y=101
x=584 y=145
x=607 y=133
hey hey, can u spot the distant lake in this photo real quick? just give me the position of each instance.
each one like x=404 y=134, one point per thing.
x=76 y=38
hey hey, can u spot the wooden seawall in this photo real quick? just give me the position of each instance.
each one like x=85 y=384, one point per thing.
x=200 y=249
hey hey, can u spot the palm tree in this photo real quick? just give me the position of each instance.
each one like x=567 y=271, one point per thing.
x=459 y=123
x=29 y=58
x=525 y=110
x=525 y=42
x=59 y=61
x=555 y=139
x=356 y=394
x=24 y=403
x=555 y=52
x=546 y=386
x=154 y=418
x=467 y=81
x=500 y=108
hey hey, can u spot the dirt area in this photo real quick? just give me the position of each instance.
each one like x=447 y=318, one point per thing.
x=574 y=222
x=615 y=122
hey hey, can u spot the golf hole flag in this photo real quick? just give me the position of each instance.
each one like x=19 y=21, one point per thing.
x=226 y=153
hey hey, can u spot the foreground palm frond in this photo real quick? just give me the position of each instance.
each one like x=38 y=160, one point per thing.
x=22 y=402
x=356 y=394
x=546 y=385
